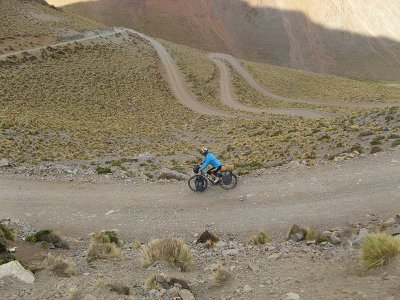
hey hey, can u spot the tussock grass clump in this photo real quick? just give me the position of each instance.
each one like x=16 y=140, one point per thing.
x=377 y=249
x=136 y=244
x=7 y=233
x=312 y=234
x=48 y=236
x=58 y=265
x=104 y=245
x=207 y=236
x=220 y=276
x=171 y=250
x=260 y=239
x=105 y=237
x=152 y=283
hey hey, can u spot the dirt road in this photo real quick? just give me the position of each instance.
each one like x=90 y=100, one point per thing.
x=263 y=90
x=326 y=196
x=229 y=99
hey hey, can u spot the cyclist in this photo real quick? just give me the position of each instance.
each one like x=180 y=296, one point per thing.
x=210 y=159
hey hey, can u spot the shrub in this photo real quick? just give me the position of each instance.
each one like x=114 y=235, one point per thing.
x=171 y=250
x=104 y=245
x=207 y=236
x=375 y=149
x=377 y=140
x=58 y=265
x=260 y=238
x=312 y=234
x=49 y=237
x=7 y=233
x=105 y=237
x=6 y=257
x=377 y=249
x=101 y=170
x=220 y=276
x=152 y=283
x=103 y=251
x=358 y=148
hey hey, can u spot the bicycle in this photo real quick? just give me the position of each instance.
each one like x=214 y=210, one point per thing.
x=200 y=181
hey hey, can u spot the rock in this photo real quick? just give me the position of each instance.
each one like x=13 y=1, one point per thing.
x=13 y=249
x=360 y=237
x=4 y=163
x=334 y=239
x=147 y=157
x=274 y=256
x=291 y=296
x=15 y=269
x=153 y=293
x=109 y=212
x=171 y=174
x=297 y=237
x=393 y=230
x=229 y=252
x=309 y=243
x=297 y=233
x=391 y=221
x=247 y=288
x=186 y=295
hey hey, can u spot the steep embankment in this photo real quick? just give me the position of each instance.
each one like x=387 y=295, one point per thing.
x=349 y=38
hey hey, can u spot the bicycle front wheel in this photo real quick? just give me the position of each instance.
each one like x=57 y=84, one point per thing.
x=197 y=183
x=231 y=185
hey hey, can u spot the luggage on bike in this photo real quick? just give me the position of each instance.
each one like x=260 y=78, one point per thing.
x=200 y=184
x=228 y=168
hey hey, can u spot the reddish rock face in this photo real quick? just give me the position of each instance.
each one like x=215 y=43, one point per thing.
x=337 y=37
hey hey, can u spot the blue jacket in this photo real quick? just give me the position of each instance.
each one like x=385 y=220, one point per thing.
x=210 y=159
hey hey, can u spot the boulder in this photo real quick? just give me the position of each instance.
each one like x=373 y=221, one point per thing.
x=334 y=239
x=360 y=236
x=186 y=295
x=291 y=296
x=393 y=230
x=247 y=288
x=171 y=174
x=4 y=163
x=16 y=270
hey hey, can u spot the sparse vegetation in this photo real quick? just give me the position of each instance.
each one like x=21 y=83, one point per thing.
x=375 y=149
x=171 y=250
x=47 y=236
x=104 y=245
x=260 y=239
x=103 y=170
x=7 y=233
x=220 y=276
x=377 y=249
x=58 y=265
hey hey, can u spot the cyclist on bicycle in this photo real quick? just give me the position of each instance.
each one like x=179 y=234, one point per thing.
x=210 y=159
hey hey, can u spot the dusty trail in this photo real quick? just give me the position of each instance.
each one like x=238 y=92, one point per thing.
x=324 y=196
x=228 y=98
x=260 y=88
x=36 y=49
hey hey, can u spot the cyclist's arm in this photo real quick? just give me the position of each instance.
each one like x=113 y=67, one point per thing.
x=204 y=164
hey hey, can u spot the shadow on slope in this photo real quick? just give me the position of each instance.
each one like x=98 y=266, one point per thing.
x=264 y=34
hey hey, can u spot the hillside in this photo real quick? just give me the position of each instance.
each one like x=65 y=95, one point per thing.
x=351 y=38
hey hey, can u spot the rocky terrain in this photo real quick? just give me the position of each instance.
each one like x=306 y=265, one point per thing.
x=327 y=268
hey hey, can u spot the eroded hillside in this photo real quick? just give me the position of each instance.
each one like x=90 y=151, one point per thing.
x=353 y=38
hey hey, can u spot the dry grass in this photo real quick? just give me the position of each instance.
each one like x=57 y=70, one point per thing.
x=58 y=265
x=136 y=245
x=48 y=236
x=104 y=245
x=7 y=233
x=260 y=239
x=220 y=276
x=306 y=85
x=171 y=250
x=378 y=249
x=101 y=99
x=152 y=283
x=26 y=18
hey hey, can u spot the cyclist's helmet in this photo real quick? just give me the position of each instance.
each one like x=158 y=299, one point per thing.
x=203 y=150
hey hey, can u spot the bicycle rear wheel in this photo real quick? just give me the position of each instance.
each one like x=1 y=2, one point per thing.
x=197 y=183
x=231 y=185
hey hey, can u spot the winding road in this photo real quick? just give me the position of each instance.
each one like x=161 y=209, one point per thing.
x=182 y=93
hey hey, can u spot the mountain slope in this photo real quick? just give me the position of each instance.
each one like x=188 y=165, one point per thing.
x=352 y=38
